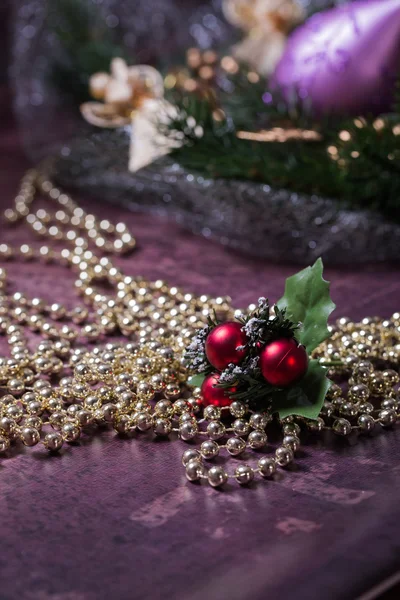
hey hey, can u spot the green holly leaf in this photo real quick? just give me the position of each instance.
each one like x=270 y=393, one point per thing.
x=307 y=302
x=196 y=380
x=306 y=397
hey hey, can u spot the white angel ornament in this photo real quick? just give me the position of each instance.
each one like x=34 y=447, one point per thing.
x=267 y=24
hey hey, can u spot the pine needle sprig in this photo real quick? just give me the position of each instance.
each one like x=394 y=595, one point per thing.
x=255 y=395
x=195 y=355
x=261 y=328
x=247 y=380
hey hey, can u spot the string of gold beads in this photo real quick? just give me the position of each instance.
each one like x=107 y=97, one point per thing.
x=64 y=388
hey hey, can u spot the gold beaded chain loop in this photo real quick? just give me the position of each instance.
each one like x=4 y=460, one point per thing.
x=69 y=223
x=62 y=389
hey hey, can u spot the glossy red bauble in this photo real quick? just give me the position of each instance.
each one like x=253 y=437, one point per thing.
x=222 y=343
x=283 y=362
x=215 y=395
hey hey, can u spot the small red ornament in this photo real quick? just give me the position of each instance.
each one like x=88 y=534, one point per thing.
x=217 y=396
x=222 y=343
x=283 y=362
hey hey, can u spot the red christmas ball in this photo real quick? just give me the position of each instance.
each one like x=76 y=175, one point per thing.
x=222 y=343
x=283 y=362
x=215 y=395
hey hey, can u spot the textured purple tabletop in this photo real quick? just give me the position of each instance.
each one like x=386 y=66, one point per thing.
x=113 y=518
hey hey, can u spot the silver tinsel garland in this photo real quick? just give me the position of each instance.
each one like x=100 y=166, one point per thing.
x=280 y=225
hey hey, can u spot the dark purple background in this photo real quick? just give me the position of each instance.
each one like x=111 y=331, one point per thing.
x=4 y=34
x=114 y=518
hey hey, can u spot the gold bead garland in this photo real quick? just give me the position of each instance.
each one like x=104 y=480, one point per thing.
x=62 y=389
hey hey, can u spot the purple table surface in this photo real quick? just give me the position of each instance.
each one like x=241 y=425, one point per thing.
x=113 y=518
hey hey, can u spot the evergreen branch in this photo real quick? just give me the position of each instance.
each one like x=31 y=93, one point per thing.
x=364 y=174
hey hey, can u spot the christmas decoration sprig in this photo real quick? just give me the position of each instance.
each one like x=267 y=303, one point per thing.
x=263 y=358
